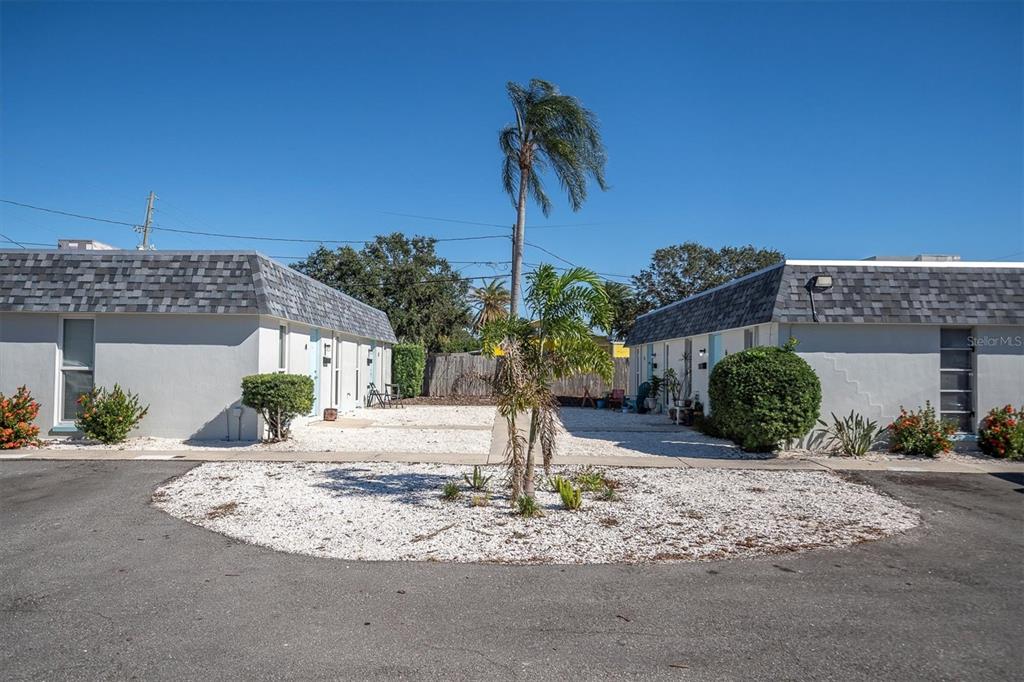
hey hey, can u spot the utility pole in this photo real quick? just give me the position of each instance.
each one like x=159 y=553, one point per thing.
x=144 y=229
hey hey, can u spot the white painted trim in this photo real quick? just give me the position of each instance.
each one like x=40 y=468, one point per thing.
x=58 y=404
x=909 y=264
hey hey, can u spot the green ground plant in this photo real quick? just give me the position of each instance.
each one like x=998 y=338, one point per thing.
x=450 y=491
x=478 y=481
x=572 y=497
x=109 y=415
x=853 y=435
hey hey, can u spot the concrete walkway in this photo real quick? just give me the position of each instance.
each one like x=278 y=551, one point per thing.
x=779 y=464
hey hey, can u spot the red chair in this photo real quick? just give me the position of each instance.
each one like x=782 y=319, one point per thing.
x=616 y=397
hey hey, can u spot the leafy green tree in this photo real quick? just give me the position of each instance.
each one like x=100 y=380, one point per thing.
x=491 y=301
x=555 y=343
x=625 y=308
x=686 y=269
x=424 y=298
x=553 y=132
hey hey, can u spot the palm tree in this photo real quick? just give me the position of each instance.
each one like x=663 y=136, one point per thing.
x=555 y=343
x=491 y=301
x=553 y=131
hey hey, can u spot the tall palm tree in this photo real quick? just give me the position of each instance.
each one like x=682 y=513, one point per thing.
x=491 y=301
x=551 y=131
x=554 y=344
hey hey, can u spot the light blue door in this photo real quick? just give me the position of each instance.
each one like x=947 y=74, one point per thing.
x=714 y=350
x=314 y=367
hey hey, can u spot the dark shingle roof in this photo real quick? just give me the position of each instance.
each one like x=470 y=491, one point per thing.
x=748 y=300
x=178 y=282
x=862 y=292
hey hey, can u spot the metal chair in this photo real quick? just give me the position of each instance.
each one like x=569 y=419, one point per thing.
x=375 y=395
x=394 y=393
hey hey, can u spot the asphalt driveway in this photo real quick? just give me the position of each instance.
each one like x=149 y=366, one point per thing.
x=96 y=584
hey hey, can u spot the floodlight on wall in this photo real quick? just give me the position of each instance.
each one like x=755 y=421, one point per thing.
x=820 y=283
x=701 y=352
x=817 y=284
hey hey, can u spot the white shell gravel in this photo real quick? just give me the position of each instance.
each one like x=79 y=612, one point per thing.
x=389 y=511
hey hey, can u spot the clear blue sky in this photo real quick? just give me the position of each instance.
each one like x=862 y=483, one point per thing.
x=831 y=130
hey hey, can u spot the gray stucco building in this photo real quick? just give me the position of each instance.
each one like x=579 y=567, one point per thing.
x=181 y=329
x=879 y=333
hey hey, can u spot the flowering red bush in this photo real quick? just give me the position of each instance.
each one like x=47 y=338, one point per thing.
x=16 y=416
x=920 y=432
x=1002 y=433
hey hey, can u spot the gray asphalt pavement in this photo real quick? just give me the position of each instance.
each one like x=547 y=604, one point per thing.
x=96 y=584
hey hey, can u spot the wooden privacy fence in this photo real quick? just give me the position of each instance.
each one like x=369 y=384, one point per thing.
x=450 y=374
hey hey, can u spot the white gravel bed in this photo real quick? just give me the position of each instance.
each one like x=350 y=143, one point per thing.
x=381 y=511
x=430 y=415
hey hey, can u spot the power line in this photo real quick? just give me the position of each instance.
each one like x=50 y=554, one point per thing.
x=472 y=222
x=222 y=235
x=435 y=281
x=12 y=241
x=553 y=255
x=68 y=213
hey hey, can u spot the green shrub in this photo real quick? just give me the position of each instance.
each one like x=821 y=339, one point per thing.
x=16 y=416
x=853 y=435
x=109 y=416
x=763 y=396
x=450 y=491
x=408 y=364
x=706 y=425
x=478 y=481
x=279 y=398
x=528 y=507
x=480 y=500
x=1002 y=433
x=572 y=497
x=920 y=432
x=589 y=479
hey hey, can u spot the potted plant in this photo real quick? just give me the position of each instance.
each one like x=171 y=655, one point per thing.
x=673 y=389
x=653 y=402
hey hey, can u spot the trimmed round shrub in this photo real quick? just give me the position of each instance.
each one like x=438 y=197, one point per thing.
x=764 y=396
x=17 y=414
x=408 y=365
x=279 y=398
x=109 y=416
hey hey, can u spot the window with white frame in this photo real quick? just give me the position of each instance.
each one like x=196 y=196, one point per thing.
x=77 y=364
x=282 y=348
x=751 y=338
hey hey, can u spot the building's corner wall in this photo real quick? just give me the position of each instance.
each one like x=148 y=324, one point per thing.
x=28 y=357
x=871 y=369
x=999 y=355
x=187 y=368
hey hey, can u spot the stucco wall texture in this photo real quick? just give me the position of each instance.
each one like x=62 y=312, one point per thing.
x=187 y=368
